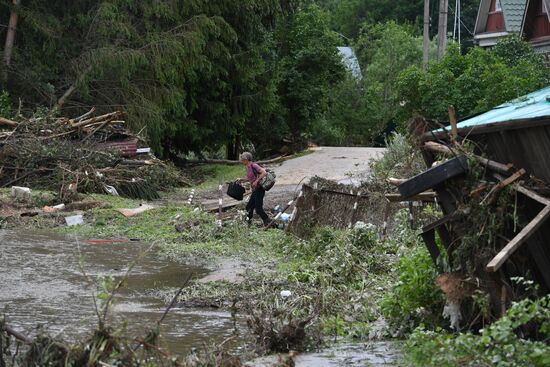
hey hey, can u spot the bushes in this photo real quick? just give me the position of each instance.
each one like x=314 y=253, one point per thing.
x=414 y=298
x=497 y=345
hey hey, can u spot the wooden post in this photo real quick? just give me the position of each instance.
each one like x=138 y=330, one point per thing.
x=426 y=41
x=452 y=121
x=442 y=28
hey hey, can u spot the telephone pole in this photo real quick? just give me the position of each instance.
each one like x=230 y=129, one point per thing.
x=442 y=28
x=426 y=42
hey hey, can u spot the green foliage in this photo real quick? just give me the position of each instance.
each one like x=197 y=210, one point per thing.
x=193 y=73
x=499 y=344
x=339 y=257
x=474 y=82
x=401 y=160
x=309 y=67
x=361 y=110
x=5 y=104
x=414 y=298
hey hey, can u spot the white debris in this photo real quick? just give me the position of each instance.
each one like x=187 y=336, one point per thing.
x=286 y=294
x=74 y=220
x=451 y=311
x=20 y=192
x=110 y=190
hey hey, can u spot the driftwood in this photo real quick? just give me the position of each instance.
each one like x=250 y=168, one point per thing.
x=395 y=181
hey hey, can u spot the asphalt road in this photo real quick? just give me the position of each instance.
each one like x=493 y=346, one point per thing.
x=339 y=164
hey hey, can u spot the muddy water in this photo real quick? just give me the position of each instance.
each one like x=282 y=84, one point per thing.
x=41 y=284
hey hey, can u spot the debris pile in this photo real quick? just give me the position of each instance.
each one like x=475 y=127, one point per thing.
x=87 y=154
x=493 y=228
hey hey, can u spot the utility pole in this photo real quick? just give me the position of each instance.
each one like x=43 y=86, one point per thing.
x=442 y=28
x=426 y=42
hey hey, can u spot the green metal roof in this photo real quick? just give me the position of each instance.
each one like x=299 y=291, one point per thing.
x=536 y=104
x=513 y=11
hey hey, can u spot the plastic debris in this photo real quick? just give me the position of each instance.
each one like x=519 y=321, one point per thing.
x=74 y=220
x=20 y=192
x=286 y=294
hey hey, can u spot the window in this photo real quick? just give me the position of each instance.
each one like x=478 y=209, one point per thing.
x=497 y=5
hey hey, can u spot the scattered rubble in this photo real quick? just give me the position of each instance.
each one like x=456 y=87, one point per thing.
x=86 y=154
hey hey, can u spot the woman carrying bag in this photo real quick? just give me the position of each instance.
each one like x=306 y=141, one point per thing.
x=254 y=174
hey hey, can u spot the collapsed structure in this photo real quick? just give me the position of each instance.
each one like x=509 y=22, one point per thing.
x=494 y=191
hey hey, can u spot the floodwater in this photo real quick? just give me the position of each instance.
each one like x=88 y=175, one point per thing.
x=41 y=283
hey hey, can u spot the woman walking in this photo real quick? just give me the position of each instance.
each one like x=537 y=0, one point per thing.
x=254 y=174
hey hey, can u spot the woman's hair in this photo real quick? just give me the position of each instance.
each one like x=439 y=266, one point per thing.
x=246 y=156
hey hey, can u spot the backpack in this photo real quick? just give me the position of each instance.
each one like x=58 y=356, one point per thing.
x=268 y=181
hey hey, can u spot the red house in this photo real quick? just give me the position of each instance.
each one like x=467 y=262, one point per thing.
x=536 y=25
x=497 y=19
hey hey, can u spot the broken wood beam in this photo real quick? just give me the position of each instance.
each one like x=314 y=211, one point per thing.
x=452 y=121
x=107 y=116
x=434 y=177
x=502 y=184
x=492 y=165
x=424 y=196
x=518 y=240
x=395 y=181
x=531 y=194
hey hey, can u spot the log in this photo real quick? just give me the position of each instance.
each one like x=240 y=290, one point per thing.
x=231 y=162
x=518 y=240
x=492 y=165
x=8 y=123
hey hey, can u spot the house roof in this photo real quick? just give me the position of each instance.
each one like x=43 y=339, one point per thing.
x=513 y=11
x=350 y=61
x=536 y=104
x=546 y=3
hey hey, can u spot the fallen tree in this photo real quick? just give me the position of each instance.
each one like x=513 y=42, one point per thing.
x=87 y=154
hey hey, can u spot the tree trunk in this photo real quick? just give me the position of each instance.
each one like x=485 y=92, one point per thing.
x=442 y=28
x=426 y=43
x=10 y=39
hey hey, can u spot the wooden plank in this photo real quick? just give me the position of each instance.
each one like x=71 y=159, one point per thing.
x=518 y=240
x=531 y=194
x=424 y=196
x=433 y=177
